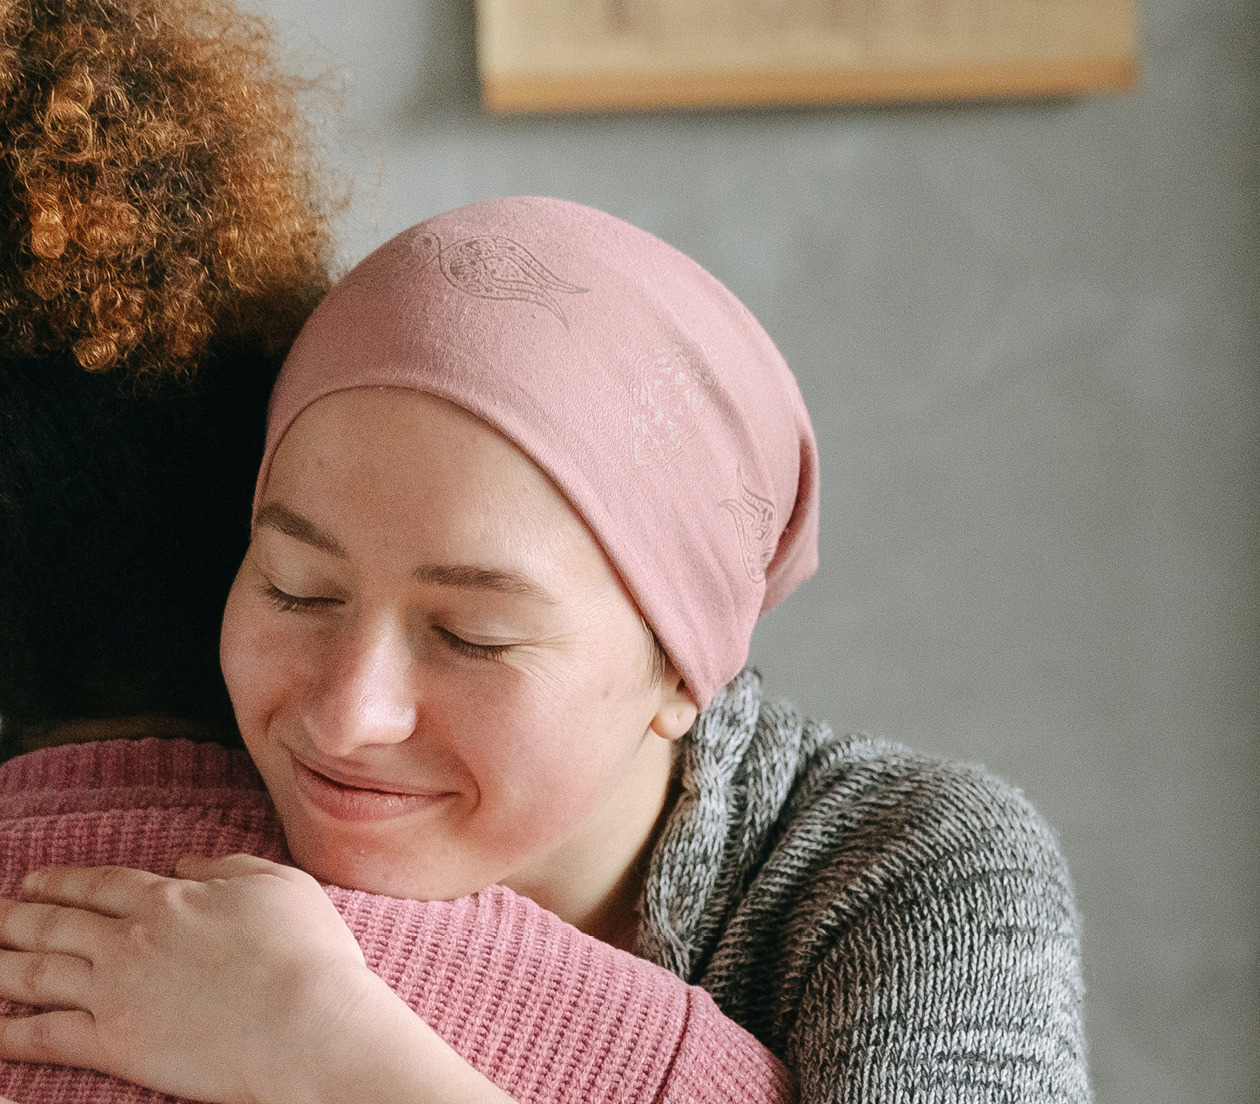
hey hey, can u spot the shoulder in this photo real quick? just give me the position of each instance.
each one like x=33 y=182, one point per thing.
x=927 y=927
x=874 y=833
x=897 y=814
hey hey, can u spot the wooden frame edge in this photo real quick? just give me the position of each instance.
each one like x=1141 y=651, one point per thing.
x=770 y=88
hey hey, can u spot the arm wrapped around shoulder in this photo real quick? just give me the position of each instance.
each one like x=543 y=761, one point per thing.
x=552 y=1015
x=547 y=1013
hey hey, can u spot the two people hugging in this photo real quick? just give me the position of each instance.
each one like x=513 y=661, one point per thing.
x=512 y=819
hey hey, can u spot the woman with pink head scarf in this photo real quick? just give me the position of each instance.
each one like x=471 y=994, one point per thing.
x=531 y=476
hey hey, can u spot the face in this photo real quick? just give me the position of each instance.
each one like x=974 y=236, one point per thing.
x=442 y=680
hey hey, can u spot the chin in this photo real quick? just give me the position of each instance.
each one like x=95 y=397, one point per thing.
x=361 y=867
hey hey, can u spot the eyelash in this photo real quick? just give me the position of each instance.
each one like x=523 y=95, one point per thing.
x=292 y=603
x=467 y=647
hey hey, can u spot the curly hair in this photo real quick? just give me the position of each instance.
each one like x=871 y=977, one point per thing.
x=156 y=187
x=165 y=226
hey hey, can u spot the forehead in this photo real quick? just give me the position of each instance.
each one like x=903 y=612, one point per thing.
x=374 y=431
x=376 y=460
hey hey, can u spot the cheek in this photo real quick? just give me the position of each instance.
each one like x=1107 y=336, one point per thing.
x=543 y=742
x=508 y=725
x=237 y=647
x=255 y=657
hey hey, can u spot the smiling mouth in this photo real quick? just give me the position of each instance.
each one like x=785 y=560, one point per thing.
x=360 y=800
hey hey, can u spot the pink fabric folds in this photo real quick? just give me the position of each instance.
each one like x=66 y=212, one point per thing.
x=549 y=1014
x=629 y=374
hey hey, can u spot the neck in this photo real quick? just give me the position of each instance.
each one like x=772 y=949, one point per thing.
x=617 y=919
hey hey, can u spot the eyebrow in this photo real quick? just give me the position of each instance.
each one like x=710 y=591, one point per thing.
x=471 y=577
x=460 y=576
x=281 y=518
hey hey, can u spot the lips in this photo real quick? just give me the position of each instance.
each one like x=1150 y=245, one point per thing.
x=353 y=782
x=348 y=797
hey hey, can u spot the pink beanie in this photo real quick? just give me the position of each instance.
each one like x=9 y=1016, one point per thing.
x=632 y=377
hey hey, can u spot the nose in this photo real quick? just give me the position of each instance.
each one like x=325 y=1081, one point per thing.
x=365 y=693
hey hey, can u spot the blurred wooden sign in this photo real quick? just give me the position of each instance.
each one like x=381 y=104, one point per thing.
x=605 y=55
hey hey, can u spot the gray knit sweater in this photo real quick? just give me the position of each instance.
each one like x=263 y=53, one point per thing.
x=899 y=930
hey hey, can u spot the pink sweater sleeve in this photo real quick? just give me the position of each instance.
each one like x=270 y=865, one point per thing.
x=549 y=1014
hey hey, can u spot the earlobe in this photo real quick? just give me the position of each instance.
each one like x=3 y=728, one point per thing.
x=677 y=712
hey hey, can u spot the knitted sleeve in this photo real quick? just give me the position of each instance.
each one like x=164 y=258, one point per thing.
x=935 y=943
x=549 y=1014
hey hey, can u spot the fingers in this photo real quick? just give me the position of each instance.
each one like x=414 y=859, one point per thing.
x=119 y=890
x=34 y=926
x=44 y=980
x=110 y=890
x=61 y=1038
x=45 y=960
x=201 y=869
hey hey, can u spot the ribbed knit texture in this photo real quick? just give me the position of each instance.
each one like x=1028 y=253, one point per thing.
x=898 y=929
x=547 y=1013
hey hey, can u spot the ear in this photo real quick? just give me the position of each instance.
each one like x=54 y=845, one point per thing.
x=678 y=710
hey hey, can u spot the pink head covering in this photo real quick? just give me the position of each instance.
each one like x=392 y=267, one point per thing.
x=633 y=378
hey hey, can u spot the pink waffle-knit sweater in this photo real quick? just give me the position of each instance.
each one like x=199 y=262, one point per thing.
x=547 y=1013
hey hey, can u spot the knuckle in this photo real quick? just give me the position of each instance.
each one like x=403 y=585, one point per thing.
x=41 y=1035
x=99 y=877
x=36 y=974
x=106 y=881
x=135 y=936
x=158 y=896
x=167 y=894
x=52 y=881
x=293 y=875
x=46 y=921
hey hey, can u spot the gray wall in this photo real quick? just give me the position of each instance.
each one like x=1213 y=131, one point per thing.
x=1028 y=337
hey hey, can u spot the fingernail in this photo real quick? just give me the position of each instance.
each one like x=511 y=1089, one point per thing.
x=33 y=881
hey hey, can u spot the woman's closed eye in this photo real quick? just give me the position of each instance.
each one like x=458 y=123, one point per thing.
x=291 y=603
x=468 y=647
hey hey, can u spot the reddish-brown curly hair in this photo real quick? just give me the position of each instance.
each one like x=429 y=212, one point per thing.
x=157 y=189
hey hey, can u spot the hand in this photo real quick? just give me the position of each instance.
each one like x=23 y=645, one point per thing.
x=221 y=984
